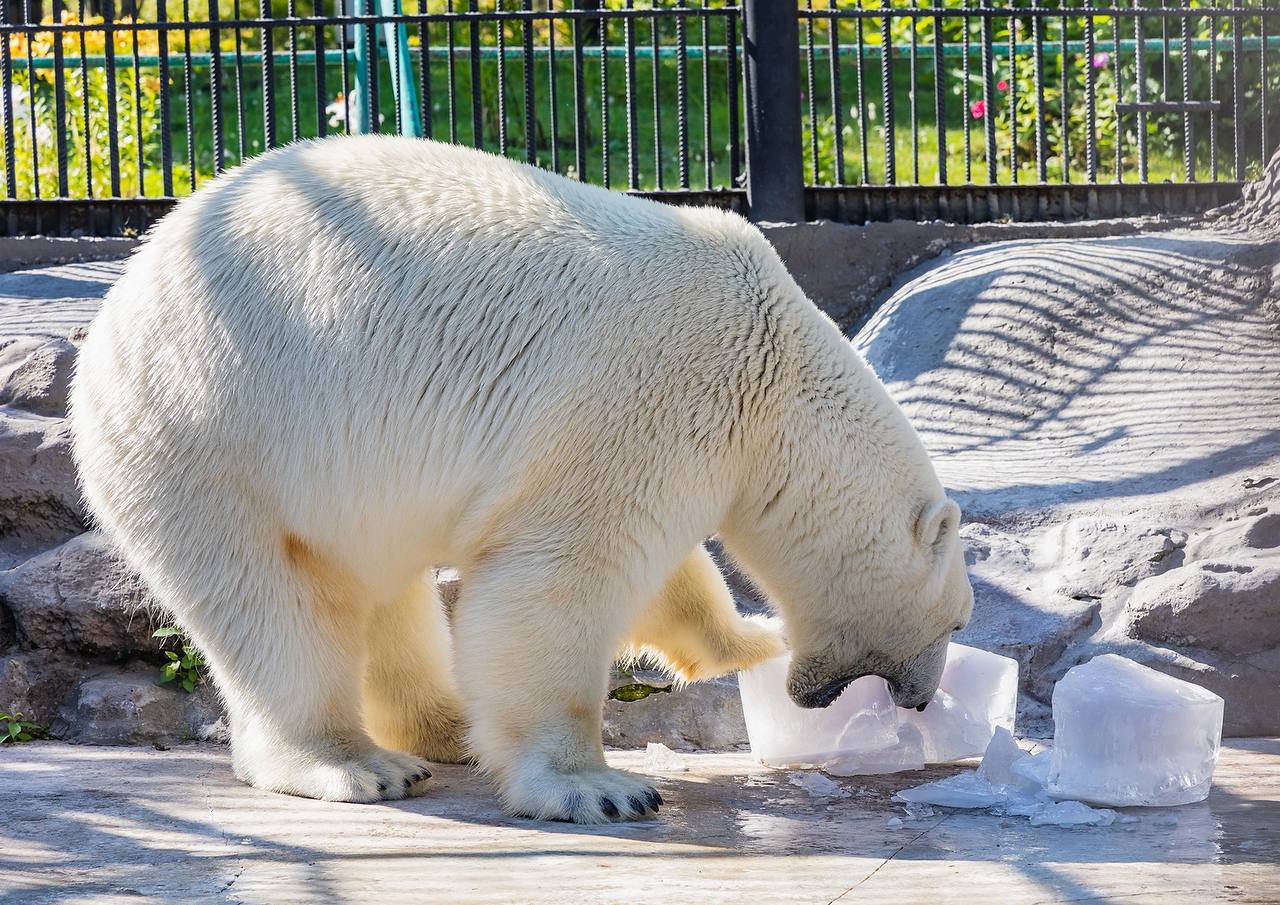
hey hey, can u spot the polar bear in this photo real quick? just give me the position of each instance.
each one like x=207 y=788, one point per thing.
x=353 y=359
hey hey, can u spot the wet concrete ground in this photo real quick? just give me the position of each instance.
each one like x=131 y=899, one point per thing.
x=117 y=825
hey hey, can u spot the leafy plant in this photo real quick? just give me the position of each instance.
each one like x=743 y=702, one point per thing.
x=14 y=729
x=184 y=667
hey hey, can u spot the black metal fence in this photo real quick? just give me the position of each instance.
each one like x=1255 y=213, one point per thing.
x=854 y=110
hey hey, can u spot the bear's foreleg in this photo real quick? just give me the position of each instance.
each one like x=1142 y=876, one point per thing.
x=693 y=629
x=411 y=699
x=534 y=637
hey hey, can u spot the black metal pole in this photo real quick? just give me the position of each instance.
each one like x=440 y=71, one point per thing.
x=775 y=159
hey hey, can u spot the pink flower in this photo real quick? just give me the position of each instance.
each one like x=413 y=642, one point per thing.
x=978 y=109
x=1100 y=60
x=1002 y=85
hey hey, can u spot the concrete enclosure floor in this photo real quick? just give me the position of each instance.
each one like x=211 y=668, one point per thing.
x=108 y=825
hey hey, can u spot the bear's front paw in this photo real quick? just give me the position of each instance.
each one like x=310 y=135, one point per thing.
x=599 y=795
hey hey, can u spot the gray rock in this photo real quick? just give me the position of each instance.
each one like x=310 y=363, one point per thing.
x=1101 y=554
x=127 y=707
x=35 y=374
x=79 y=597
x=35 y=683
x=39 y=500
x=703 y=715
x=1220 y=606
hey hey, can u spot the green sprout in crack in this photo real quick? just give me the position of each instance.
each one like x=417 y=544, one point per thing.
x=182 y=667
x=14 y=729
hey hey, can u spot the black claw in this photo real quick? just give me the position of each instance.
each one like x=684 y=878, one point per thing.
x=637 y=805
x=382 y=787
x=654 y=800
x=610 y=809
x=408 y=782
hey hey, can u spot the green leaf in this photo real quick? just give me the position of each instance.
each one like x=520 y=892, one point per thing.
x=167 y=632
x=15 y=729
x=636 y=691
x=188 y=684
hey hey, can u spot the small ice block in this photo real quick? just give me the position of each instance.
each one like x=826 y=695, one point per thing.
x=1128 y=735
x=658 y=758
x=863 y=733
x=784 y=734
x=978 y=692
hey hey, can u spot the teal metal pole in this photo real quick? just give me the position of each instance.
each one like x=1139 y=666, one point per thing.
x=396 y=35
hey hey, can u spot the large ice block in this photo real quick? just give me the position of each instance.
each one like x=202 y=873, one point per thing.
x=862 y=732
x=1128 y=735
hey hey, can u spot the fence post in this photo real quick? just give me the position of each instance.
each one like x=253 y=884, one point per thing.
x=771 y=75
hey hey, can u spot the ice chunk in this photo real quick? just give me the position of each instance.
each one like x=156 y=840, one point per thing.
x=658 y=758
x=1128 y=735
x=978 y=692
x=1001 y=754
x=964 y=790
x=917 y=811
x=893 y=823
x=1072 y=813
x=784 y=734
x=818 y=785
x=863 y=733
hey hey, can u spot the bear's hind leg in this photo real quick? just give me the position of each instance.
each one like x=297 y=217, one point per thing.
x=282 y=629
x=693 y=629
x=534 y=639
x=411 y=699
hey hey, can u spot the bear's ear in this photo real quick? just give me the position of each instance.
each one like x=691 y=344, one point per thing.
x=937 y=522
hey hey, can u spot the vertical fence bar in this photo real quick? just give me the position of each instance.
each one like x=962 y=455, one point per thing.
x=1037 y=38
x=863 y=151
x=109 y=66
x=1237 y=106
x=657 y=104
x=241 y=126
x=1188 y=134
x=6 y=85
x=579 y=103
x=837 y=99
x=733 y=86
x=552 y=103
x=604 y=101
x=84 y=97
x=28 y=19
x=344 y=36
x=451 y=78
x=1119 y=89
x=60 y=108
x=215 y=89
x=1213 y=94
x=477 y=127
x=966 y=110
x=1262 y=82
x=501 y=26
x=1066 y=97
x=1140 y=48
x=530 y=134
x=708 y=149
x=682 y=98
x=295 y=115
x=633 y=157
x=166 y=141
x=811 y=96
x=775 y=160
x=886 y=97
x=940 y=98
x=322 y=88
x=188 y=96
x=988 y=98
x=1013 y=100
x=915 y=113
x=1090 y=99
x=268 y=79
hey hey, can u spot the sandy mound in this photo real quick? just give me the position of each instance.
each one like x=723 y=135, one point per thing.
x=1107 y=412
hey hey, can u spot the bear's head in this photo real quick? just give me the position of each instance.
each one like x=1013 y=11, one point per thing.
x=849 y=531
x=895 y=619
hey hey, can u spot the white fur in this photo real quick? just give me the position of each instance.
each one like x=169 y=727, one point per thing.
x=350 y=360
